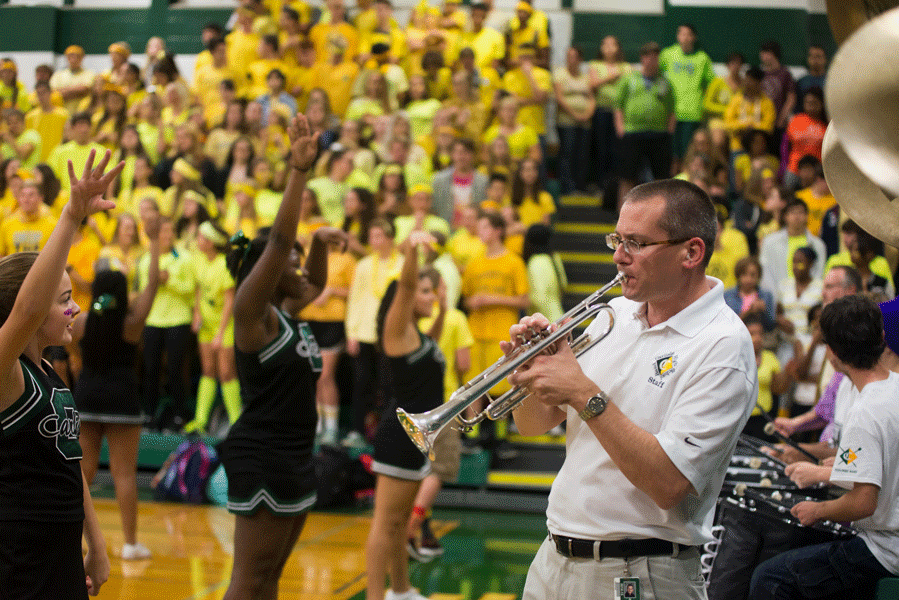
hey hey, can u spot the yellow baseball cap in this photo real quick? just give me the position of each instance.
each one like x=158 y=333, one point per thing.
x=420 y=188
x=73 y=49
x=120 y=48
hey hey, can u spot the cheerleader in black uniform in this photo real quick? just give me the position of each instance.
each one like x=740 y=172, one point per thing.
x=417 y=366
x=45 y=505
x=106 y=392
x=268 y=451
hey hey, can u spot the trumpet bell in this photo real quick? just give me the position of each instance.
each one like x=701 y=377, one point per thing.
x=862 y=199
x=418 y=432
x=863 y=98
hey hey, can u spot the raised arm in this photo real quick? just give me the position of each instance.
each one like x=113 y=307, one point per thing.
x=315 y=270
x=141 y=305
x=397 y=338
x=253 y=296
x=38 y=290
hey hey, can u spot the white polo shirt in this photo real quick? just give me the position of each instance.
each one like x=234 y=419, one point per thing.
x=692 y=382
x=869 y=453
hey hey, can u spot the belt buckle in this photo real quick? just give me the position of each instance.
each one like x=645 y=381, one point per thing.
x=570 y=553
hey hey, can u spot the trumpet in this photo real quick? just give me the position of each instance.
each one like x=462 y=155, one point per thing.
x=423 y=428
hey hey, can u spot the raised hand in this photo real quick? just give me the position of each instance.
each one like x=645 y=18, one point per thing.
x=303 y=145
x=86 y=197
x=332 y=235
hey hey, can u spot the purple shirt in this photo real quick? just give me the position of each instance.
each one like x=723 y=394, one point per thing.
x=825 y=406
x=777 y=84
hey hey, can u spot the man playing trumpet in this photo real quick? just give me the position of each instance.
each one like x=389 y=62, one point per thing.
x=654 y=411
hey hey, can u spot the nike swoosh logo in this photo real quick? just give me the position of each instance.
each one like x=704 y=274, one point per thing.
x=687 y=439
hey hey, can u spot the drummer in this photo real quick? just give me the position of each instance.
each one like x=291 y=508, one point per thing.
x=853 y=330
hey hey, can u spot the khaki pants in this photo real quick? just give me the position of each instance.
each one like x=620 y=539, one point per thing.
x=556 y=577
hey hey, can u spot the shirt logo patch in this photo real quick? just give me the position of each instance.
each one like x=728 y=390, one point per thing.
x=848 y=455
x=665 y=365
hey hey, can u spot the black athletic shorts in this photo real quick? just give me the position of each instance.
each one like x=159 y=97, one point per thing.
x=330 y=335
x=41 y=560
x=394 y=453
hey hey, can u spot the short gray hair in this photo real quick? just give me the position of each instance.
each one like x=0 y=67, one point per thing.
x=689 y=212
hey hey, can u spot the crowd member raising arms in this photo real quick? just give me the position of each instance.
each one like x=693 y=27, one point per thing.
x=268 y=452
x=37 y=311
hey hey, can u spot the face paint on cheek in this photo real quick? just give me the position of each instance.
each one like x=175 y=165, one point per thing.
x=69 y=312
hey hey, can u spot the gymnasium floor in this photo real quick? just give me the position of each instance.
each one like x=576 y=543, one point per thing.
x=486 y=554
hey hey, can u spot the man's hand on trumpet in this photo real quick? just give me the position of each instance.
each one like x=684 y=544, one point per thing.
x=553 y=377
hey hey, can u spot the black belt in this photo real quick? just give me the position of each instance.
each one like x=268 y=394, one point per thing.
x=575 y=548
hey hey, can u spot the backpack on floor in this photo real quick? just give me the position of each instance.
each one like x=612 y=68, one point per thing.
x=184 y=475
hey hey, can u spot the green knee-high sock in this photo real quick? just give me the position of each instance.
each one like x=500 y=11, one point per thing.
x=205 y=398
x=231 y=397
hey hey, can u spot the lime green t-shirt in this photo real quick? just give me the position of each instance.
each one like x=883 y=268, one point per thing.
x=646 y=103
x=690 y=75
x=29 y=136
x=330 y=198
x=59 y=157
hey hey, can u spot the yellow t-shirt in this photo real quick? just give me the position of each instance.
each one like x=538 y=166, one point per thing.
x=464 y=247
x=520 y=142
x=516 y=83
x=77 y=154
x=488 y=45
x=533 y=211
x=454 y=336
x=321 y=32
x=724 y=259
x=50 y=126
x=82 y=257
x=817 y=207
x=257 y=73
x=64 y=78
x=338 y=81
x=206 y=85
x=242 y=50
x=503 y=275
x=768 y=368
x=341 y=267
x=534 y=33
x=20 y=233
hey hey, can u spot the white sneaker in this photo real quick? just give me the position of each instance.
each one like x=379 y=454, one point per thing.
x=135 y=551
x=411 y=594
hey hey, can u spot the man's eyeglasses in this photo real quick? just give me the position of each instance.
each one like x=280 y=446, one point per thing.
x=633 y=247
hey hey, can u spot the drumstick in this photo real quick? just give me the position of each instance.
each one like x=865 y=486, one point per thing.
x=755 y=446
x=771 y=429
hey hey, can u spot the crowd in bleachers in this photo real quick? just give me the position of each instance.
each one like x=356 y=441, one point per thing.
x=437 y=124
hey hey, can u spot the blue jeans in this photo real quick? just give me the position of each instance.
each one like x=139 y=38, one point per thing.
x=838 y=570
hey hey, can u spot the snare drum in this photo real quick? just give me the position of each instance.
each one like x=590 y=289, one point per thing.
x=754 y=527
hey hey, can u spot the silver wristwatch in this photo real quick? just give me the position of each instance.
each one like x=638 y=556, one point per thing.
x=594 y=407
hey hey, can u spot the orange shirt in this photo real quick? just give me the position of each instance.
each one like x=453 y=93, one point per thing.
x=806 y=136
